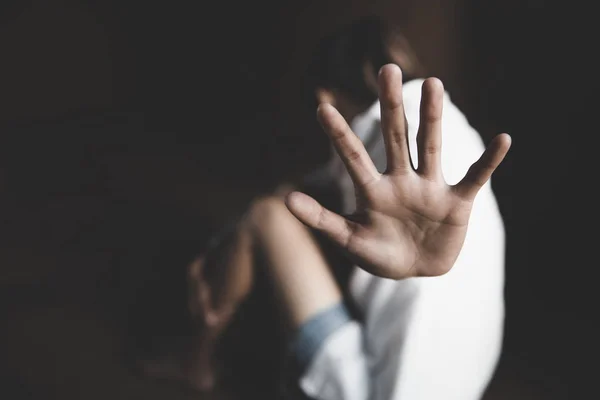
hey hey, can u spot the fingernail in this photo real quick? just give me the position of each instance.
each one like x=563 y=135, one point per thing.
x=391 y=64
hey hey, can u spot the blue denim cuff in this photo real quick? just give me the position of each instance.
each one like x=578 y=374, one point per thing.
x=312 y=334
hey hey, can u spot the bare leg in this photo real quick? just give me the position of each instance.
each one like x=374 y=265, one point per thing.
x=303 y=283
x=298 y=270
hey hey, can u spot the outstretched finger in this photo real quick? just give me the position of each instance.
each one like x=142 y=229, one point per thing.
x=393 y=119
x=429 y=135
x=315 y=216
x=348 y=145
x=482 y=169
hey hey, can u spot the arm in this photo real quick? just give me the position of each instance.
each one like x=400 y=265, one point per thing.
x=409 y=221
x=423 y=338
x=426 y=337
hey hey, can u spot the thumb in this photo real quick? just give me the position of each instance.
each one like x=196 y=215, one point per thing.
x=315 y=216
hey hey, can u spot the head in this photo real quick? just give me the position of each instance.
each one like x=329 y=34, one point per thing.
x=343 y=69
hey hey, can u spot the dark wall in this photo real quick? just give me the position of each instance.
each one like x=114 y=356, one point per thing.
x=535 y=79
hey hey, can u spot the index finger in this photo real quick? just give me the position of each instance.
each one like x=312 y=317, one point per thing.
x=348 y=146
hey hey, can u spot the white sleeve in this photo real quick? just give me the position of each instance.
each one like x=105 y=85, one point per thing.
x=425 y=338
x=339 y=370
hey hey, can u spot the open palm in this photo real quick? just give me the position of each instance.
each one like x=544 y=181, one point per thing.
x=408 y=222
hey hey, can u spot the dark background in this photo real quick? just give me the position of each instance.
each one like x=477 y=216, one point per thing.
x=218 y=85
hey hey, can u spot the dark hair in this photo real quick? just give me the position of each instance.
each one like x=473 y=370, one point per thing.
x=339 y=60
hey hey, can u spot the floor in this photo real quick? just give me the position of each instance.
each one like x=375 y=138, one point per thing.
x=68 y=353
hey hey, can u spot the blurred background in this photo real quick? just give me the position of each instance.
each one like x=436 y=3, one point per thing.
x=104 y=106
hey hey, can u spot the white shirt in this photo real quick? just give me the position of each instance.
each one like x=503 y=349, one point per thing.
x=423 y=338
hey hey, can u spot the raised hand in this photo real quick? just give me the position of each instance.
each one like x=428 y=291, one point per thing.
x=408 y=222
